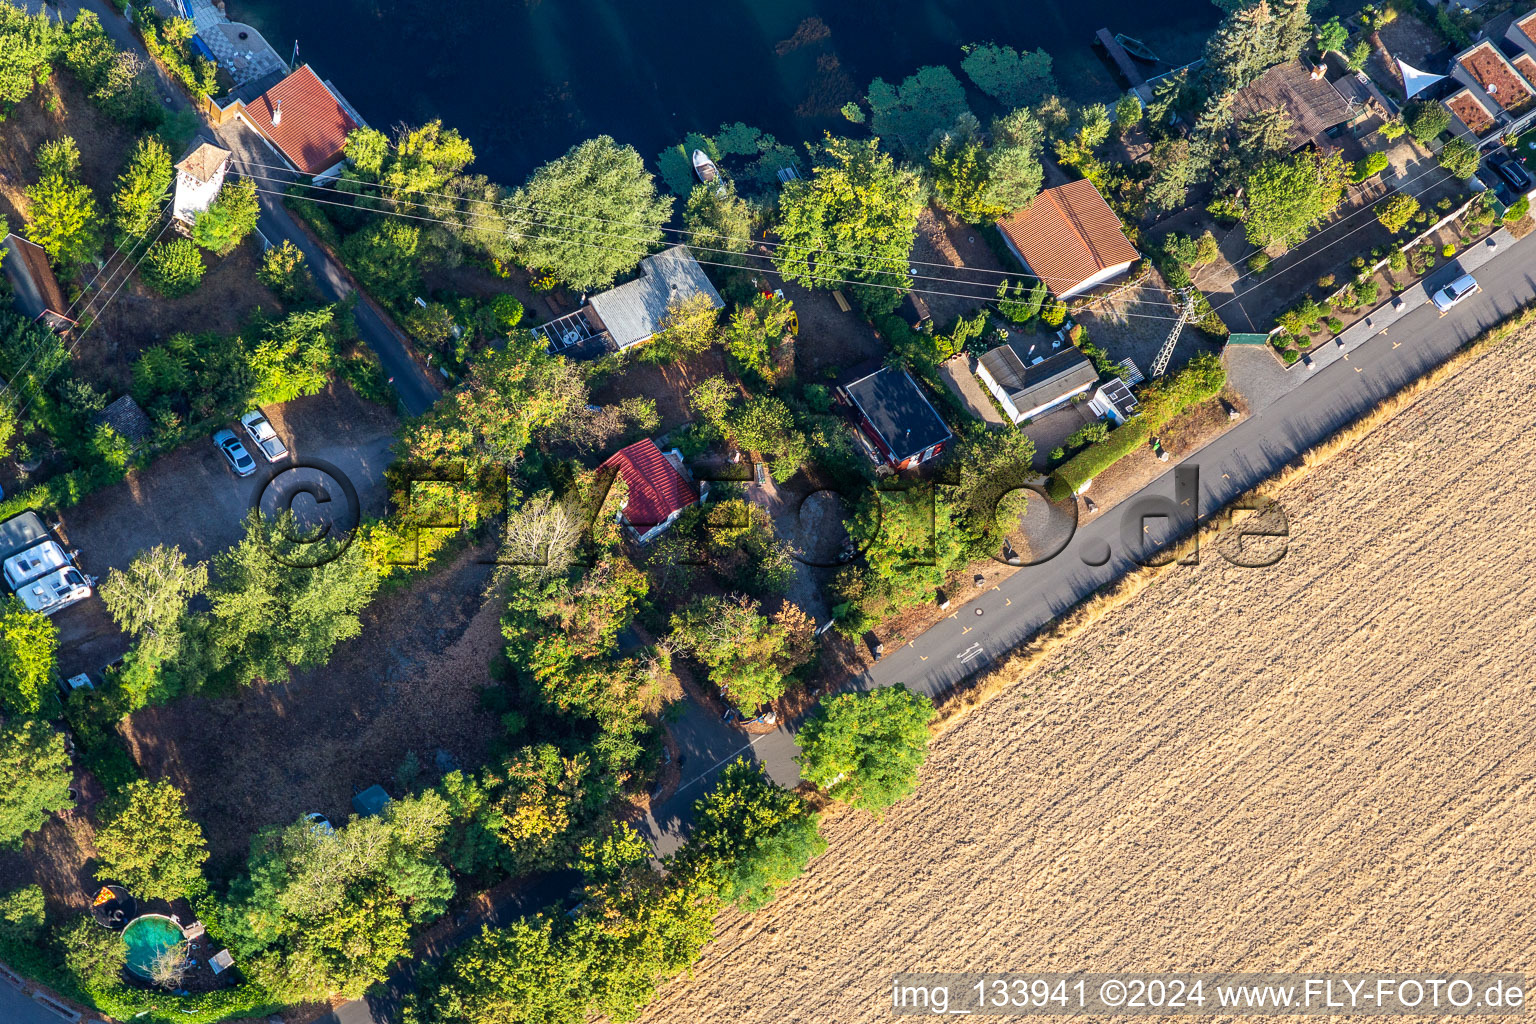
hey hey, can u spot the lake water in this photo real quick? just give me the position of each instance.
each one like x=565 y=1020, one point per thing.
x=526 y=79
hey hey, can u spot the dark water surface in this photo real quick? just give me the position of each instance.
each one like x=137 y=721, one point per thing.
x=525 y=79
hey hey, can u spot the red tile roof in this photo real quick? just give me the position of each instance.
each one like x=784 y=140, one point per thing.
x=1490 y=70
x=1471 y=111
x=1067 y=235
x=312 y=132
x=656 y=488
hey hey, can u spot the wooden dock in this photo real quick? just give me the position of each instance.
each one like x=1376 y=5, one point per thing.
x=1122 y=59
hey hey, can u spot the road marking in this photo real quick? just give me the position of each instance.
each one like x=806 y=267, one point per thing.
x=1007 y=601
x=955 y=615
x=1397 y=344
x=970 y=654
x=965 y=630
x=922 y=657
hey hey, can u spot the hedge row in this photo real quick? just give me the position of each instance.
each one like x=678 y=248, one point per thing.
x=1161 y=401
x=61 y=491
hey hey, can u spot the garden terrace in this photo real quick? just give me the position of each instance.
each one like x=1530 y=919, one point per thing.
x=1472 y=112
x=1486 y=68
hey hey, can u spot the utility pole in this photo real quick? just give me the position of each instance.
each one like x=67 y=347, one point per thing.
x=1186 y=314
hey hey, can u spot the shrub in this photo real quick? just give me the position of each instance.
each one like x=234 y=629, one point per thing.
x=1303 y=317
x=1397 y=260
x=1426 y=120
x=1393 y=129
x=1259 y=262
x=1518 y=209
x=173 y=268
x=1057 y=454
x=1460 y=158
x=1334 y=325
x=1054 y=313
x=1290 y=355
x=1448 y=250
x=1088 y=433
x=1369 y=166
x=1367 y=291
x=282 y=269
x=1395 y=213
x=1326 y=281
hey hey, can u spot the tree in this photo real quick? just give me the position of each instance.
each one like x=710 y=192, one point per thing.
x=1358 y=55
x=1173 y=172
x=383 y=256
x=853 y=220
x=173 y=268
x=1266 y=133
x=151 y=846
x=94 y=955
x=755 y=333
x=751 y=836
x=1012 y=78
x=1014 y=171
x=65 y=221
x=691 y=325
x=417 y=162
x=151 y=595
x=1128 y=113
x=717 y=219
x=35 y=778
x=1426 y=120
x=866 y=748
x=22 y=915
x=28 y=641
x=1368 y=166
x=1332 y=35
x=748 y=655
x=1287 y=197
x=283 y=271
x=293 y=356
x=142 y=188
x=1249 y=41
x=1460 y=158
x=591 y=214
x=60 y=157
x=1397 y=212
x=961 y=180
x=30 y=43
x=229 y=218
x=910 y=114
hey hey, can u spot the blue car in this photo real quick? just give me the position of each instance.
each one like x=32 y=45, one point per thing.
x=234 y=453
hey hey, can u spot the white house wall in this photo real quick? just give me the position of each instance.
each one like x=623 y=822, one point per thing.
x=193 y=196
x=999 y=394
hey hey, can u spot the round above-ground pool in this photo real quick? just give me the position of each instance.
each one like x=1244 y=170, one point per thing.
x=147 y=936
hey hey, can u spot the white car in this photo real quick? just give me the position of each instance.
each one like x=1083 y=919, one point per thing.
x=1456 y=291
x=267 y=441
x=234 y=453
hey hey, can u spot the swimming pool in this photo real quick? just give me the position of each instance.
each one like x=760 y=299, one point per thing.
x=147 y=937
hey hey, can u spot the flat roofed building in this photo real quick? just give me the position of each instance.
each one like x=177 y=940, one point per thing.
x=1029 y=390
x=1114 y=400
x=1488 y=73
x=1069 y=238
x=896 y=423
x=1471 y=112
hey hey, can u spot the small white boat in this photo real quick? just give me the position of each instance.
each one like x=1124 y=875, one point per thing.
x=705 y=168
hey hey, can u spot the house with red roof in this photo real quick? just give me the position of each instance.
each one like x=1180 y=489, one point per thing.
x=1069 y=238
x=657 y=485
x=302 y=118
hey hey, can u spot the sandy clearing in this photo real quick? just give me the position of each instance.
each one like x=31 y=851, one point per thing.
x=1324 y=765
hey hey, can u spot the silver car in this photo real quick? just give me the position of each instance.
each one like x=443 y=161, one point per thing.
x=1456 y=291
x=267 y=442
x=234 y=453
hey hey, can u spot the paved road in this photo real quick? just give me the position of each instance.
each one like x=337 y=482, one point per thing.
x=1294 y=410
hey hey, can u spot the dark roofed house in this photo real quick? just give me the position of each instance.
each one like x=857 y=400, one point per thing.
x=1028 y=390
x=305 y=120
x=896 y=424
x=1114 y=400
x=129 y=421
x=1070 y=238
x=1303 y=91
x=658 y=492
x=37 y=290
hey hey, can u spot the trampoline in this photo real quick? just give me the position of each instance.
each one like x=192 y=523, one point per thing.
x=147 y=937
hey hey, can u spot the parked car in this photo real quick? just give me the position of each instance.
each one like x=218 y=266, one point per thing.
x=234 y=453
x=267 y=442
x=1517 y=177
x=1456 y=291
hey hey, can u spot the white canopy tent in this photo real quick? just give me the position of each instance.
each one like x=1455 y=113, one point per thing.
x=1414 y=80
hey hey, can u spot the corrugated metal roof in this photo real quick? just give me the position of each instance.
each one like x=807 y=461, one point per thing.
x=1068 y=234
x=1031 y=386
x=312 y=132
x=633 y=312
x=656 y=488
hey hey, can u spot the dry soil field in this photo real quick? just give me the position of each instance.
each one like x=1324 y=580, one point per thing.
x=1326 y=765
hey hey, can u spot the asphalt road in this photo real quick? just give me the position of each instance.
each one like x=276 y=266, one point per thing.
x=1102 y=549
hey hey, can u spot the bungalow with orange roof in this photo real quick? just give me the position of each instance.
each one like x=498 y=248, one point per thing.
x=303 y=119
x=1069 y=238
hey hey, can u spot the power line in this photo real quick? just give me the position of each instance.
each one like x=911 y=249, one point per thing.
x=537 y=211
x=709 y=263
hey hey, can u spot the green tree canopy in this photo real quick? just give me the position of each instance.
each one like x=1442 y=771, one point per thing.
x=854 y=219
x=151 y=846
x=909 y=114
x=589 y=215
x=35 y=776
x=29 y=42
x=28 y=641
x=1012 y=78
x=866 y=748
x=751 y=835
x=417 y=162
x=747 y=653
x=142 y=188
x=718 y=219
x=151 y=595
x=65 y=220
x=173 y=268
x=229 y=218
x=1287 y=197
